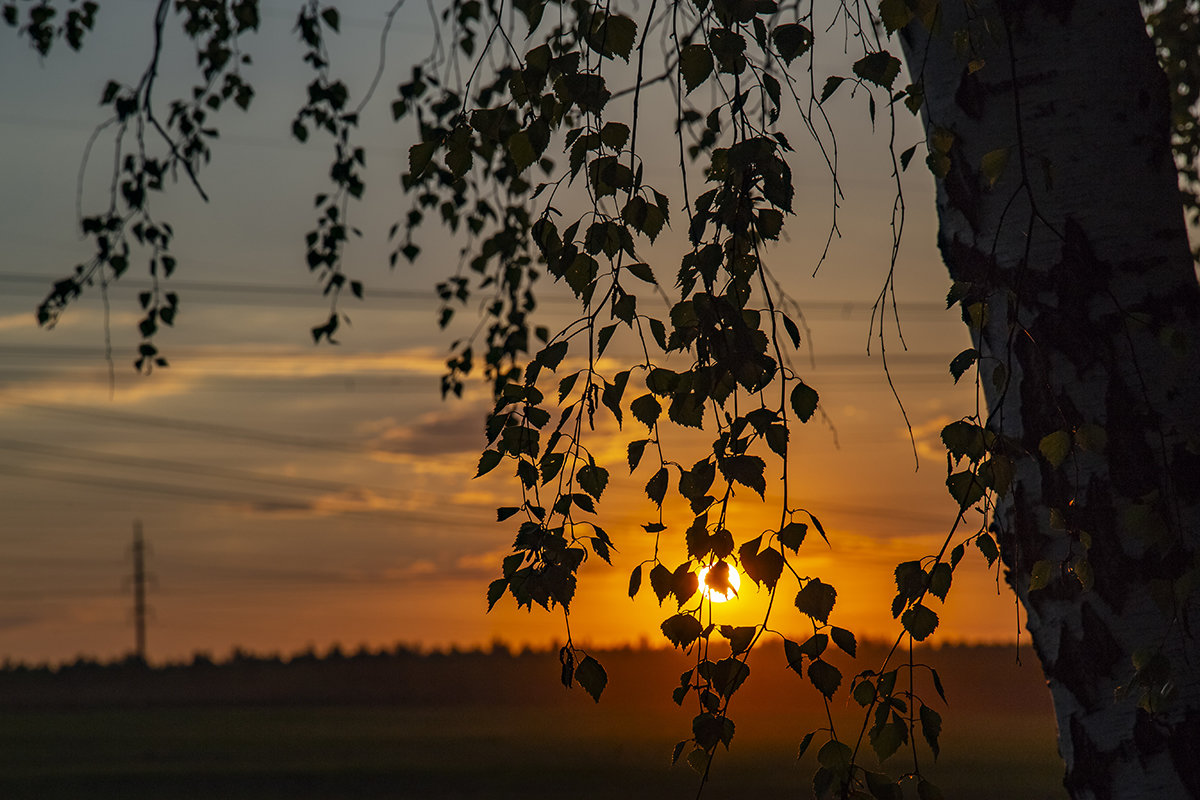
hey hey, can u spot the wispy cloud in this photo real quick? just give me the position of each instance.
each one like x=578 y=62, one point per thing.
x=193 y=369
x=928 y=437
x=349 y=501
x=459 y=430
x=284 y=362
x=10 y=622
x=16 y=322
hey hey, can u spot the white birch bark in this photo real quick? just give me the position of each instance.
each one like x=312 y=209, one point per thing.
x=1080 y=256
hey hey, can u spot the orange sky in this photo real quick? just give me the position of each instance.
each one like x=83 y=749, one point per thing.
x=295 y=496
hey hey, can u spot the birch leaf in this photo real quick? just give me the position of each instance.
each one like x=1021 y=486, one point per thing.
x=993 y=164
x=1055 y=447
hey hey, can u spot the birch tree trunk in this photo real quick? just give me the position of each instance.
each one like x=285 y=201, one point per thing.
x=1061 y=224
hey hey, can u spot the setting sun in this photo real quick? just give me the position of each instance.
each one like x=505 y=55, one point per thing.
x=734 y=579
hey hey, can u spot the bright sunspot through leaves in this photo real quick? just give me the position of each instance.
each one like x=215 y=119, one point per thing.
x=714 y=592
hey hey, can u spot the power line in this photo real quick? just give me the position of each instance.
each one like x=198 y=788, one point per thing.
x=219 y=293
x=139 y=462
x=825 y=309
x=66 y=351
x=58 y=594
x=263 y=290
x=283 y=141
x=257 y=384
x=222 y=496
x=189 y=426
x=350 y=384
x=238 y=359
x=149 y=487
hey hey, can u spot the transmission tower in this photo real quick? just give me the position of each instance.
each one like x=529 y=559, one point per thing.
x=139 y=590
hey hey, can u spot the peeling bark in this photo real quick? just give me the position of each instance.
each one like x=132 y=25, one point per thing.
x=1079 y=255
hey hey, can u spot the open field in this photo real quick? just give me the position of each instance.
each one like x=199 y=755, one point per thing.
x=450 y=753
x=532 y=741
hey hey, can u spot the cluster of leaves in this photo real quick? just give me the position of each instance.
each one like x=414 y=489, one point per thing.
x=717 y=360
x=43 y=23
x=469 y=168
x=473 y=166
x=326 y=108
x=486 y=166
x=714 y=679
x=148 y=150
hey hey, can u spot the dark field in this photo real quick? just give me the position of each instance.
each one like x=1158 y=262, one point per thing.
x=478 y=726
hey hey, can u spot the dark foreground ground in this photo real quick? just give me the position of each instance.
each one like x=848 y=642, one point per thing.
x=477 y=726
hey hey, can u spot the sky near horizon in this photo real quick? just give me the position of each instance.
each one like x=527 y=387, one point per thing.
x=294 y=495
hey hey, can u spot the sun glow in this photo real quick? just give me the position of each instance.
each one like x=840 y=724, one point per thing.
x=735 y=581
